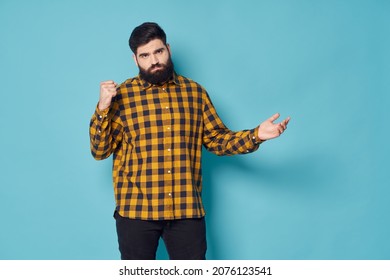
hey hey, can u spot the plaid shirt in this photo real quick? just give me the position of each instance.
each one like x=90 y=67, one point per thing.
x=155 y=134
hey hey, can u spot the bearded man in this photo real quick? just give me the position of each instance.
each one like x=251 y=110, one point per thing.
x=155 y=125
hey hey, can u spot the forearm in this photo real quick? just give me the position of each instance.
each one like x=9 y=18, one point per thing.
x=225 y=142
x=103 y=133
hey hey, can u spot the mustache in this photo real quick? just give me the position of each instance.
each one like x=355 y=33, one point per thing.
x=157 y=65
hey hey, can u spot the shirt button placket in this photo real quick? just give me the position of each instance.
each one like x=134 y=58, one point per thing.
x=167 y=126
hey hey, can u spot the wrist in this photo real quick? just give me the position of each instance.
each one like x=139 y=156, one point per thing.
x=256 y=136
x=102 y=107
x=101 y=110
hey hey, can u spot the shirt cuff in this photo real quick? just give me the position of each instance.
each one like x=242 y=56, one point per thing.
x=255 y=136
x=101 y=114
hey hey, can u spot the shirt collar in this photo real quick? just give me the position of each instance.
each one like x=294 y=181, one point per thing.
x=145 y=85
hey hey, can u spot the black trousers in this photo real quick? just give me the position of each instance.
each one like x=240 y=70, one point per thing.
x=184 y=239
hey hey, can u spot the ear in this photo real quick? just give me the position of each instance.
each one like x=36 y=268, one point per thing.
x=135 y=60
x=169 y=49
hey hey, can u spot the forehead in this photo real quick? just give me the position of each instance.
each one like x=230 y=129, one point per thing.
x=151 y=46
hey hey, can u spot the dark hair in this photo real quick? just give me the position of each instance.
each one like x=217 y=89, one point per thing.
x=145 y=33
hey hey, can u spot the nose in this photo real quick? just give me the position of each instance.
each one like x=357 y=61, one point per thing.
x=154 y=60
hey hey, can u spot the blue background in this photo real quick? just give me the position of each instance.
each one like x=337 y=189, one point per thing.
x=321 y=191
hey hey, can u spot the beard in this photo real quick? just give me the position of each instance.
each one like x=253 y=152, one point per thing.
x=160 y=76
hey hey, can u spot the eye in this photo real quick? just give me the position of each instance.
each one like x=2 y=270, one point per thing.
x=143 y=55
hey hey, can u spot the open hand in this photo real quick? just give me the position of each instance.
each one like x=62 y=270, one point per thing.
x=269 y=130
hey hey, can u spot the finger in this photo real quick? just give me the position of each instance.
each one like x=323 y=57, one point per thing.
x=110 y=94
x=107 y=82
x=274 y=117
x=110 y=87
x=286 y=122
x=104 y=85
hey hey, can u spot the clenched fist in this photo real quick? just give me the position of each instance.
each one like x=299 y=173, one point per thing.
x=107 y=92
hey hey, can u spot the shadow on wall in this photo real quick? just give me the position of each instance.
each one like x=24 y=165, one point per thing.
x=306 y=176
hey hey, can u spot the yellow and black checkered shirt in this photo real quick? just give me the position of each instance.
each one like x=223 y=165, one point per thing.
x=155 y=134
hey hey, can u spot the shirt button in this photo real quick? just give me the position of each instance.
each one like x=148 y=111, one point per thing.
x=169 y=128
x=100 y=117
x=247 y=151
x=99 y=131
x=169 y=194
x=166 y=107
x=169 y=171
x=169 y=150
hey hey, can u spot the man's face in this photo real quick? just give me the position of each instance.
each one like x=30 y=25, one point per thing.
x=154 y=62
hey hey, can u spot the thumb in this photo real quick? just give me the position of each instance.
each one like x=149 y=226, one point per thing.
x=274 y=117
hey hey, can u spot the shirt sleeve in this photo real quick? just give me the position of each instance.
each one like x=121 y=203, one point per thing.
x=218 y=139
x=105 y=132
